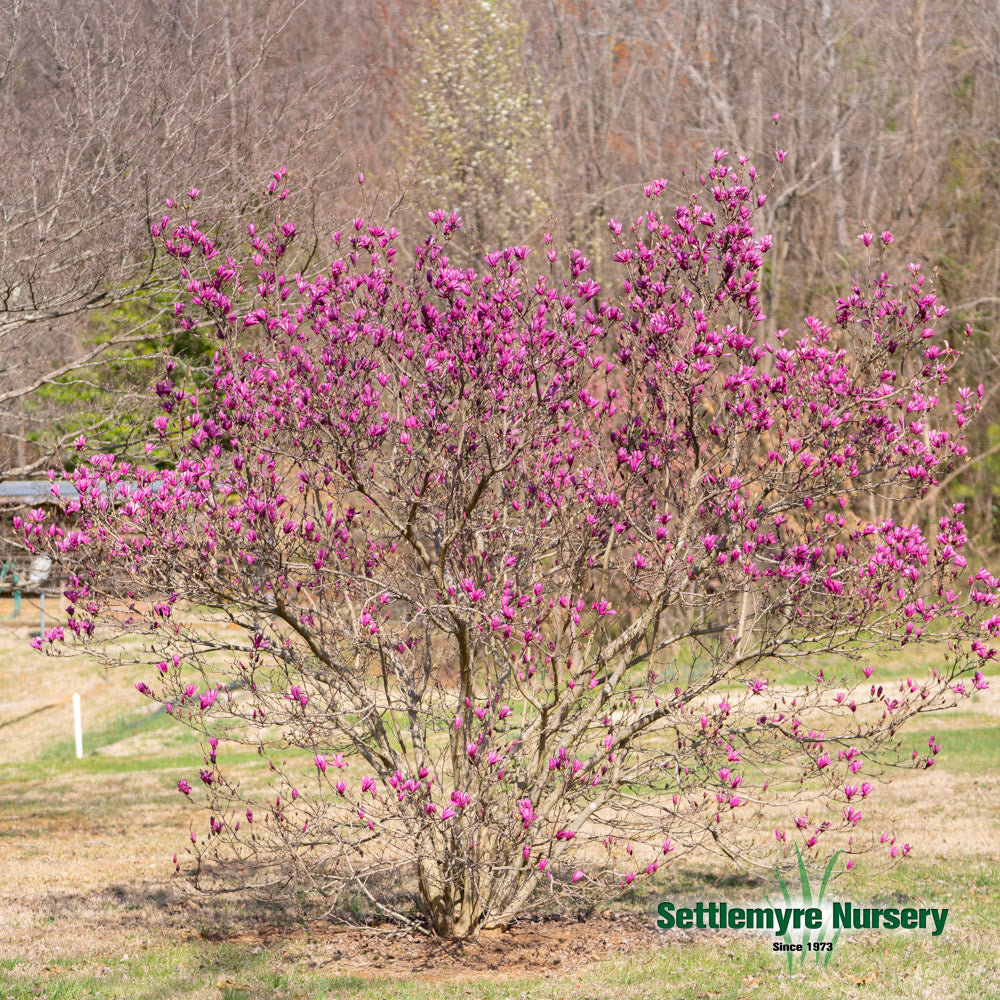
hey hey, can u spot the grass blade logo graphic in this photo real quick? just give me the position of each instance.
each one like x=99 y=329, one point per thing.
x=808 y=901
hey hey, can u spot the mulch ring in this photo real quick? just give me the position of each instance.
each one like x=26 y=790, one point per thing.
x=533 y=947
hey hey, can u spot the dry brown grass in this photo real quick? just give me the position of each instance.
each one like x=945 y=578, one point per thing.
x=86 y=860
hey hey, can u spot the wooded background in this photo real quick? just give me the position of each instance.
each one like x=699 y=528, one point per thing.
x=526 y=116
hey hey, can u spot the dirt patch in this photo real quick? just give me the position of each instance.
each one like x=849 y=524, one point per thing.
x=105 y=922
x=557 y=946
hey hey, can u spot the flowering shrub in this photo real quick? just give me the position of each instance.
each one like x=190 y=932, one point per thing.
x=519 y=568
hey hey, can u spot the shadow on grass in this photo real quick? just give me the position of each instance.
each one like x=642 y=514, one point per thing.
x=688 y=879
x=150 y=906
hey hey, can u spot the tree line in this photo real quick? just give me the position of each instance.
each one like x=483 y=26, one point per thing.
x=528 y=117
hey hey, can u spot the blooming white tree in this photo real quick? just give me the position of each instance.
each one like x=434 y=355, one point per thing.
x=478 y=127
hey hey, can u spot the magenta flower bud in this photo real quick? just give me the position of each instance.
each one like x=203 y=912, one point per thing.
x=527 y=812
x=320 y=761
x=577 y=875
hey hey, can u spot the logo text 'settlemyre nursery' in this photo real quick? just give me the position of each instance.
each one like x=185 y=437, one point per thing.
x=804 y=924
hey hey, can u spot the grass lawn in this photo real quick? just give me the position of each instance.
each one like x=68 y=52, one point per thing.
x=90 y=906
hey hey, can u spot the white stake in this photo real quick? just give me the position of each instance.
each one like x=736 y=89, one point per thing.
x=78 y=726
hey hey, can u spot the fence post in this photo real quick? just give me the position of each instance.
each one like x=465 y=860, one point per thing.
x=77 y=726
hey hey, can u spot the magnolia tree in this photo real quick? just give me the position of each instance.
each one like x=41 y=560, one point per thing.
x=516 y=581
